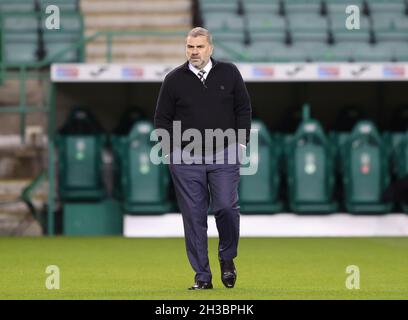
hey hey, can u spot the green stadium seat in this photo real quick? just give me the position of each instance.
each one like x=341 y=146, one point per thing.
x=400 y=159
x=397 y=151
x=338 y=26
x=80 y=145
x=401 y=24
x=259 y=193
x=231 y=51
x=20 y=48
x=338 y=21
x=316 y=51
x=292 y=53
x=310 y=170
x=263 y=6
x=313 y=51
x=382 y=51
x=117 y=141
x=392 y=6
x=21 y=39
x=338 y=52
x=53 y=49
x=302 y=6
x=69 y=22
x=338 y=139
x=218 y=6
x=80 y=167
x=391 y=141
x=20 y=22
x=63 y=5
x=307 y=22
x=392 y=36
x=401 y=51
x=390 y=22
x=357 y=36
x=365 y=170
x=55 y=45
x=390 y=26
x=69 y=34
x=141 y=186
x=365 y=52
x=223 y=22
x=258 y=21
x=268 y=35
x=264 y=26
x=8 y=6
x=307 y=50
x=402 y=156
x=312 y=36
x=339 y=6
x=228 y=35
x=261 y=51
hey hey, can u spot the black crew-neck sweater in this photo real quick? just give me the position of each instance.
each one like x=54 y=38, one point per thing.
x=222 y=102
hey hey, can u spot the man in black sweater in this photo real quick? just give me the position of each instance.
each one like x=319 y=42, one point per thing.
x=204 y=94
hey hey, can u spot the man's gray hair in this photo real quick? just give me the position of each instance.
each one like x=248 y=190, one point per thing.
x=199 y=31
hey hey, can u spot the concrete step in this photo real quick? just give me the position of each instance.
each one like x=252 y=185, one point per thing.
x=127 y=58
x=22 y=162
x=10 y=122
x=129 y=21
x=15 y=217
x=92 y=6
x=10 y=92
x=11 y=189
x=141 y=15
x=157 y=49
x=19 y=223
x=140 y=39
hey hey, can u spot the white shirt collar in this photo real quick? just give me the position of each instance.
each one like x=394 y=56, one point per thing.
x=207 y=68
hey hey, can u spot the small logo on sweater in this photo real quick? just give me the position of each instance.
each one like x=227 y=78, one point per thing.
x=222 y=87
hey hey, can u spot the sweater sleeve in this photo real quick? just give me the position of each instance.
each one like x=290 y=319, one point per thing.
x=242 y=105
x=165 y=108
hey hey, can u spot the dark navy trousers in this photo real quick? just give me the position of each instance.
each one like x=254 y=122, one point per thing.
x=197 y=186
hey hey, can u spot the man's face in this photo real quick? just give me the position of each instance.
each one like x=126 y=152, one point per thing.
x=198 y=51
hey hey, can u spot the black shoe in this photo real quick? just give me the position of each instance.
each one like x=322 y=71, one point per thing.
x=201 y=285
x=228 y=273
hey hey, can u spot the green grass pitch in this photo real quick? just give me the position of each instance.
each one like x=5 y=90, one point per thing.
x=268 y=268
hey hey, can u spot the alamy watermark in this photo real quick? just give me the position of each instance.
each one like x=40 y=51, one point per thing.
x=215 y=146
x=52 y=282
x=353 y=20
x=353 y=278
x=53 y=20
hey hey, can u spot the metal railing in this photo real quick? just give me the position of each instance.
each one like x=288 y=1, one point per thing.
x=1 y=50
x=27 y=196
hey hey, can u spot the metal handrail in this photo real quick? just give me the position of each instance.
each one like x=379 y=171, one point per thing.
x=26 y=194
x=1 y=50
